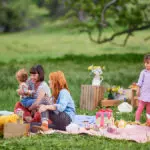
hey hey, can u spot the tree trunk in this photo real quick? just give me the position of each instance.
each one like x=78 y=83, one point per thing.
x=6 y=28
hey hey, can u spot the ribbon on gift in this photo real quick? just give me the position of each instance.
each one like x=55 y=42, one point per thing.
x=101 y=113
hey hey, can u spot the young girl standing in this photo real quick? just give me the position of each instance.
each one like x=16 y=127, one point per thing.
x=143 y=90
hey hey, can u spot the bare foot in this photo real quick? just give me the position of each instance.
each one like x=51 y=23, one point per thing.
x=40 y=128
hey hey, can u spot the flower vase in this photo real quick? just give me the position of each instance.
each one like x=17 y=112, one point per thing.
x=116 y=95
x=96 y=80
x=110 y=95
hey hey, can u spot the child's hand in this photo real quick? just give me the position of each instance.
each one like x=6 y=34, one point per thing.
x=20 y=92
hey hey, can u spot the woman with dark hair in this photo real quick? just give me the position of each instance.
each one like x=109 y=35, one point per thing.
x=37 y=83
x=41 y=87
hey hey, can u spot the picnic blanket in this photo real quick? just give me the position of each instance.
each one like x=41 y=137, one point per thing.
x=79 y=119
x=137 y=133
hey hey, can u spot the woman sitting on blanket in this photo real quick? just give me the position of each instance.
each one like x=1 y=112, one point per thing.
x=62 y=112
x=41 y=88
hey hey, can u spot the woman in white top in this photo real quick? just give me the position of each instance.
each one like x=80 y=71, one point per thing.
x=38 y=84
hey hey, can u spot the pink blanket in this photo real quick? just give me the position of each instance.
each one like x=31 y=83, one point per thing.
x=140 y=134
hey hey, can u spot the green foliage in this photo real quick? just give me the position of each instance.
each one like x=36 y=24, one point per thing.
x=13 y=14
x=16 y=15
x=124 y=13
x=56 y=8
x=116 y=16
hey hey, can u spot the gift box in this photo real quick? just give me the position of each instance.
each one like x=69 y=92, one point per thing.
x=104 y=117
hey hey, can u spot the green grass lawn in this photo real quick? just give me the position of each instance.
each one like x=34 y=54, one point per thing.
x=52 y=40
x=59 y=48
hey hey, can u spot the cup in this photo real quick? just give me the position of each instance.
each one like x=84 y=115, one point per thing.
x=20 y=113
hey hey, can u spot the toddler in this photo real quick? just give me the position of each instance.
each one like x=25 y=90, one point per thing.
x=27 y=95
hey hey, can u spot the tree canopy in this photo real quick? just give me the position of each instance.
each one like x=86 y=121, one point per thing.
x=118 y=16
x=13 y=14
x=95 y=17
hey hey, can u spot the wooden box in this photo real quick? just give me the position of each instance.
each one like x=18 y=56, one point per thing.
x=15 y=130
x=112 y=102
x=91 y=96
x=116 y=102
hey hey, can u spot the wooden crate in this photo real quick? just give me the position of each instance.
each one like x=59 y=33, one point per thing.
x=16 y=130
x=91 y=96
x=112 y=102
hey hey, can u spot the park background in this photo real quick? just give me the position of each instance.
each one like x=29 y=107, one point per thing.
x=56 y=35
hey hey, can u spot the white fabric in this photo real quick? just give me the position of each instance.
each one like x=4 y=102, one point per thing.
x=125 y=107
x=44 y=86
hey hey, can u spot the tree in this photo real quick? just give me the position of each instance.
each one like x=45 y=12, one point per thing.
x=56 y=7
x=13 y=14
x=121 y=17
x=39 y=3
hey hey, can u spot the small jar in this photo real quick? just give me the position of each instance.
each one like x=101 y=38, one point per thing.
x=20 y=112
x=86 y=125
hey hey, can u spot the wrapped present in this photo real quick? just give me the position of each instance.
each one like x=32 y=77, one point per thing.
x=104 y=117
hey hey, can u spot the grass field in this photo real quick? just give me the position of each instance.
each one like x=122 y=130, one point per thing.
x=59 y=48
x=56 y=40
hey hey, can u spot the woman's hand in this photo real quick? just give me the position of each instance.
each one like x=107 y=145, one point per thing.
x=43 y=108
x=33 y=106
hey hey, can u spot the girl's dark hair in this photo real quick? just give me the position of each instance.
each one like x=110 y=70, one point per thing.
x=146 y=57
x=38 y=69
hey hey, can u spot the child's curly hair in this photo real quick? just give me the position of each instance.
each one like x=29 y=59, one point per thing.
x=59 y=82
x=22 y=75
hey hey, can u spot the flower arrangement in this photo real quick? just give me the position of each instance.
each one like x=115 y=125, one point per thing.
x=97 y=71
x=114 y=91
